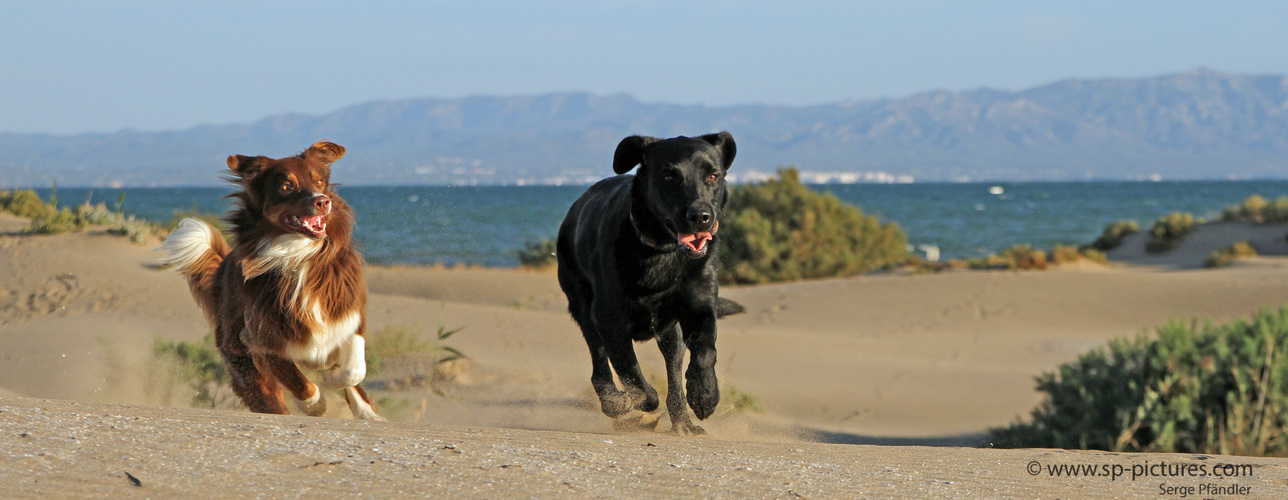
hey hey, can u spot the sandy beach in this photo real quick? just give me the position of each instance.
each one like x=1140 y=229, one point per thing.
x=884 y=361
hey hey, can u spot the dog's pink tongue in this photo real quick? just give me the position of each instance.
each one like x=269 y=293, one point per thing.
x=695 y=241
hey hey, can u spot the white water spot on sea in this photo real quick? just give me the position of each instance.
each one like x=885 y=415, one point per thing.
x=979 y=207
x=996 y=190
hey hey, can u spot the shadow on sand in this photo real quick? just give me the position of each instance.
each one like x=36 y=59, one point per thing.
x=966 y=440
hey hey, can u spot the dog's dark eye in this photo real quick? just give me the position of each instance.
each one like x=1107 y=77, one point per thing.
x=713 y=177
x=670 y=177
x=286 y=186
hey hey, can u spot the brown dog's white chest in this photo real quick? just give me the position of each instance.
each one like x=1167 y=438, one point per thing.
x=332 y=345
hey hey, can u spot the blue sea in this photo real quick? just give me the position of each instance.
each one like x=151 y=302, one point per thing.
x=488 y=225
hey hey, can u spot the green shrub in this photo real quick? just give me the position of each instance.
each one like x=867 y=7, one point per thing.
x=196 y=365
x=1211 y=389
x=783 y=231
x=1169 y=230
x=1256 y=209
x=1018 y=257
x=46 y=218
x=26 y=203
x=737 y=401
x=1094 y=255
x=135 y=229
x=538 y=254
x=405 y=342
x=1113 y=235
x=1064 y=254
x=1027 y=258
x=97 y=215
x=1225 y=256
x=53 y=221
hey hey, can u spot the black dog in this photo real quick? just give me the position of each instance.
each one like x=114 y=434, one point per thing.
x=637 y=262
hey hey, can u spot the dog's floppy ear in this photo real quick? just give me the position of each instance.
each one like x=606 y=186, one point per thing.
x=630 y=152
x=724 y=142
x=324 y=152
x=246 y=166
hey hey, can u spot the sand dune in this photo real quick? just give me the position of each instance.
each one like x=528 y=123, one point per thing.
x=1268 y=239
x=880 y=359
x=86 y=450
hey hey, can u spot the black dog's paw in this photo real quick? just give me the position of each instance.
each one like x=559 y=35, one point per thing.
x=703 y=396
x=687 y=429
x=726 y=307
x=646 y=400
x=649 y=404
x=637 y=421
x=615 y=403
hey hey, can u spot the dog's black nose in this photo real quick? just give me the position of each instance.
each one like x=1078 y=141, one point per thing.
x=699 y=218
x=322 y=203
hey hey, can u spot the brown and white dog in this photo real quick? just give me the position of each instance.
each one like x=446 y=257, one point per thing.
x=289 y=295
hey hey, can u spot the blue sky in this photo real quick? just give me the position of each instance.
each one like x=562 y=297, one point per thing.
x=100 y=66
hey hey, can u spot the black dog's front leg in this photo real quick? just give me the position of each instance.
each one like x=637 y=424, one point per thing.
x=703 y=389
x=673 y=351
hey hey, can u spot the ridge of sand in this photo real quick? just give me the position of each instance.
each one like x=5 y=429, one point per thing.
x=86 y=450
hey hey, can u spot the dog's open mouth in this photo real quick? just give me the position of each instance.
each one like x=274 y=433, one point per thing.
x=696 y=243
x=313 y=226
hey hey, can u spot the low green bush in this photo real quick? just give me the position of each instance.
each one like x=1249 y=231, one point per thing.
x=538 y=254
x=1225 y=256
x=1190 y=389
x=403 y=341
x=1018 y=258
x=54 y=221
x=1256 y=209
x=1094 y=255
x=1169 y=230
x=1113 y=235
x=782 y=230
x=25 y=203
x=1064 y=254
x=197 y=366
x=47 y=218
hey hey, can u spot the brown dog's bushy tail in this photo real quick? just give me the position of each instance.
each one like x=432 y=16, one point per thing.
x=195 y=249
x=726 y=307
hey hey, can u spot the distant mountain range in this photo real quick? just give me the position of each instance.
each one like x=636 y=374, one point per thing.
x=1197 y=125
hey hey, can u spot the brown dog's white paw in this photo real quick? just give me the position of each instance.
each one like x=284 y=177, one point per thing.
x=314 y=406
